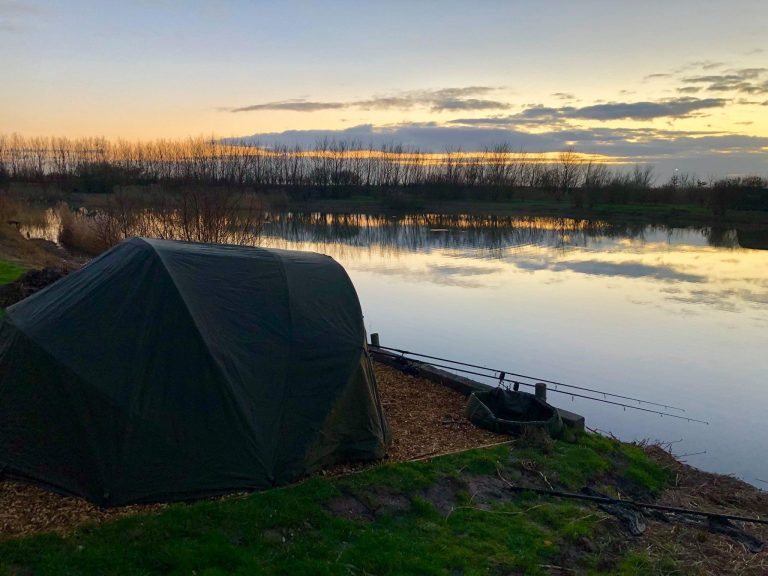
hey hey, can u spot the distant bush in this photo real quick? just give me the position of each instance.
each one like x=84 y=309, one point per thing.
x=78 y=232
x=743 y=193
x=400 y=201
x=103 y=177
x=9 y=207
x=5 y=177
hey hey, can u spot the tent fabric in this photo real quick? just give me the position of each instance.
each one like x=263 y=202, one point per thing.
x=168 y=370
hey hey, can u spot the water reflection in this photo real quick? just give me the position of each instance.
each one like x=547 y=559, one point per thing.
x=691 y=266
x=417 y=232
x=685 y=266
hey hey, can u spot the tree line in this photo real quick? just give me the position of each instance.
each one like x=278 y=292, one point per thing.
x=339 y=168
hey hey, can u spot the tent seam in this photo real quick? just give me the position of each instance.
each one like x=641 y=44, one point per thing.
x=291 y=346
x=220 y=369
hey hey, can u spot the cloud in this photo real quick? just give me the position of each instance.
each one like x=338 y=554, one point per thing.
x=702 y=152
x=455 y=92
x=614 y=269
x=564 y=95
x=430 y=136
x=669 y=108
x=534 y=115
x=627 y=270
x=292 y=105
x=469 y=104
x=675 y=108
x=709 y=64
x=432 y=274
x=442 y=100
x=700 y=64
x=703 y=75
x=743 y=80
x=733 y=75
x=13 y=13
x=660 y=75
x=726 y=299
x=444 y=270
x=745 y=102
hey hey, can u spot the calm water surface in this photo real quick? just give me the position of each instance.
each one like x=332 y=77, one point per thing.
x=674 y=315
x=679 y=316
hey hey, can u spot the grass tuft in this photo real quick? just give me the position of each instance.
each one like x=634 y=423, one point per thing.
x=9 y=272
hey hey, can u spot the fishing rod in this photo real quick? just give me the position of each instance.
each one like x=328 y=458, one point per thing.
x=553 y=382
x=571 y=394
x=574 y=394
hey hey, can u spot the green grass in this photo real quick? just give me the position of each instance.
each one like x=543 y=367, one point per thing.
x=291 y=530
x=573 y=465
x=638 y=564
x=9 y=272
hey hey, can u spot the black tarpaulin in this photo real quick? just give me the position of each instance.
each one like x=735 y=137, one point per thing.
x=168 y=370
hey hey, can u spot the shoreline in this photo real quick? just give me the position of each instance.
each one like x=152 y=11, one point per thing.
x=399 y=202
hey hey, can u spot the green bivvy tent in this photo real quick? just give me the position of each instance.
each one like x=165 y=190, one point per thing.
x=169 y=370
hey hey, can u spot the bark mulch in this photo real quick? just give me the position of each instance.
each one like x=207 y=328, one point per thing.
x=425 y=419
x=27 y=510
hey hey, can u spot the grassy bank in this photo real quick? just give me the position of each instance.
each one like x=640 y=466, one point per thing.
x=450 y=515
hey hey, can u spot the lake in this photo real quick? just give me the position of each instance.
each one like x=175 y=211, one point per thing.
x=674 y=315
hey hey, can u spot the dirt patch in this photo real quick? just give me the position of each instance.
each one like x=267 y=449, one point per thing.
x=273 y=536
x=369 y=504
x=486 y=489
x=378 y=501
x=386 y=502
x=349 y=507
x=443 y=494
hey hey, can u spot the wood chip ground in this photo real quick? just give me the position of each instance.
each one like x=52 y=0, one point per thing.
x=425 y=419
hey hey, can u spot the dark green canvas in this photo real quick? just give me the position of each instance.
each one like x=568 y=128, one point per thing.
x=169 y=370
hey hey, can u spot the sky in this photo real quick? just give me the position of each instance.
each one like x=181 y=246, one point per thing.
x=679 y=84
